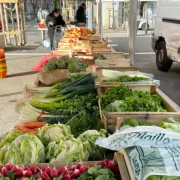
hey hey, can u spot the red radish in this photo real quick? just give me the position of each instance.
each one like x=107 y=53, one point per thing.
x=27 y=169
x=66 y=177
x=27 y=173
x=43 y=168
x=71 y=173
x=106 y=162
x=15 y=169
x=63 y=170
x=9 y=166
x=115 y=169
x=83 y=169
x=34 y=169
x=19 y=173
x=48 y=170
x=54 y=173
x=73 y=167
x=44 y=175
x=4 y=171
x=77 y=173
x=111 y=165
x=78 y=166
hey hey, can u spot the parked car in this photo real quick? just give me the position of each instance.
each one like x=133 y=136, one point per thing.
x=142 y=23
x=166 y=37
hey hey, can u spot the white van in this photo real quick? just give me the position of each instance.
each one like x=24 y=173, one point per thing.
x=166 y=37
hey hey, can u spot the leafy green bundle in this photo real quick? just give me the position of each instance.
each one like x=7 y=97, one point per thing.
x=123 y=99
x=72 y=103
x=97 y=173
x=126 y=78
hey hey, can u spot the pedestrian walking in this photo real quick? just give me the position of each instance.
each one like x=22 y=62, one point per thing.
x=52 y=20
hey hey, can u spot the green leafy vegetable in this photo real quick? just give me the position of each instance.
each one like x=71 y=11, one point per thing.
x=9 y=137
x=24 y=149
x=170 y=124
x=54 y=133
x=130 y=101
x=90 y=136
x=71 y=150
x=126 y=78
x=97 y=173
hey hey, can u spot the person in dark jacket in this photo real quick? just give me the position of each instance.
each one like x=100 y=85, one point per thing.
x=81 y=15
x=52 y=20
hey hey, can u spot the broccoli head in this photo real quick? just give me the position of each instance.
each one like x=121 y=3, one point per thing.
x=60 y=64
x=53 y=59
x=73 y=68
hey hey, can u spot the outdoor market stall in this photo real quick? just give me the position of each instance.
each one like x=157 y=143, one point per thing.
x=69 y=125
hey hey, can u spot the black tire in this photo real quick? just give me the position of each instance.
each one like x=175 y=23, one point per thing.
x=143 y=27
x=162 y=60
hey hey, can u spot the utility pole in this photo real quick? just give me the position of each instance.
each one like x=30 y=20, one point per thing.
x=147 y=14
x=132 y=29
x=100 y=16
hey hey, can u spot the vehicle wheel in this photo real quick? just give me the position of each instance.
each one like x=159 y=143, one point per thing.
x=143 y=27
x=162 y=60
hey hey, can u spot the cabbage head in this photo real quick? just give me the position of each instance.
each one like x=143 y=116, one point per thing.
x=71 y=150
x=55 y=132
x=9 y=137
x=24 y=149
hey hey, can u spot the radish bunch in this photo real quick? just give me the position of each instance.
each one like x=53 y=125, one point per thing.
x=32 y=172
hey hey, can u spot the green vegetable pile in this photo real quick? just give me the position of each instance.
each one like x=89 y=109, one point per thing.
x=90 y=136
x=169 y=124
x=53 y=143
x=97 y=173
x=99 y=57
x=72 y=103
x=134 y=123
x=126 y=78
x=123 y=99
x=73 y=65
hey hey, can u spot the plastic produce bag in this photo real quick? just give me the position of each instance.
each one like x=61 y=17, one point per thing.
x=144 y=136
x=52 y=77
x=149 y=163
x=109 y=74
x=114 y=74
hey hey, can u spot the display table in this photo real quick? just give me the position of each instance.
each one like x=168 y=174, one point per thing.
x=43 y=34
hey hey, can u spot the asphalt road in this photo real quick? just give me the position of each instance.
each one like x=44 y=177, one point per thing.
x=143 y=44
x=170 y=81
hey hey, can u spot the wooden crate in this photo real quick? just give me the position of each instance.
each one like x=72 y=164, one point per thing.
x=62 y=52
x=123 y=69
x=115 y=120
x=124 y=172
x=169 y=105
x=112 y=55
x=102 y=50
x=60 y=165
x=113 y=63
